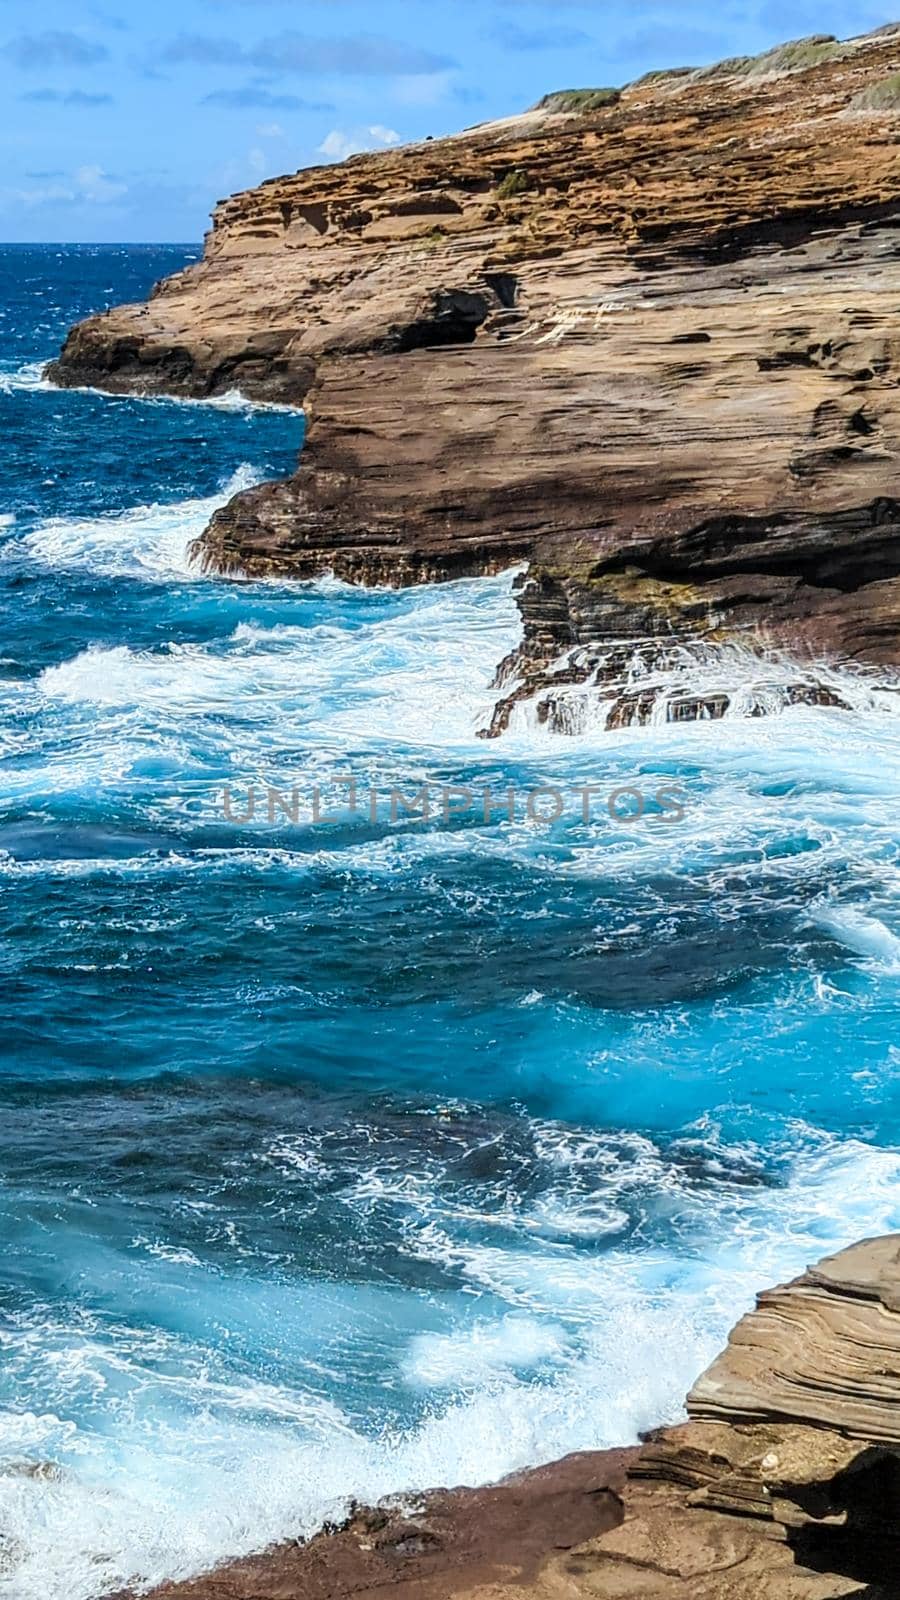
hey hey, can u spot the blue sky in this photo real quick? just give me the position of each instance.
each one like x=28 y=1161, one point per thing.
x=127 y=121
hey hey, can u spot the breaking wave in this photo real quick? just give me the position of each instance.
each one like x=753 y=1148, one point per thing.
x=207 y=1459
x=150 y=541
x=31 y=378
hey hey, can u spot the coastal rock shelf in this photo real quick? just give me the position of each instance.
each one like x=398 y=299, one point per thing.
x=652 y=350
x=785 y=1483
x=823 y=1350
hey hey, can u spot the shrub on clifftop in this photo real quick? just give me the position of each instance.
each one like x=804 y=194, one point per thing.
x=579 y=100
x=797 y=56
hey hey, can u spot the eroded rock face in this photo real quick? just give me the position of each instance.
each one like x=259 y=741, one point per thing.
x=783 y=1485
x=823 y=1350
x=797 y=1422
x=653 y=350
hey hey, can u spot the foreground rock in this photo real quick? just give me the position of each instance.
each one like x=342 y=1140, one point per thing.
x=451 y=1542
x=823 y=1350
x=784 y=1484
x=651 y=349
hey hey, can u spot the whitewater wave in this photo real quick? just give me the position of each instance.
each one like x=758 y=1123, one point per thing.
x=581 y=1353
x=742 y=680
x=150 y=542
x=232 y=400
x=362 y=679
x=318 y=703
x=28 y=378
x=31 y=378
x=351 y=677
x=863 y=934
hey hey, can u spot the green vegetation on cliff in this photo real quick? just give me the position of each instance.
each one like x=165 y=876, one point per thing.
x=579 y=100
x=515 y=183
x=883 y=96
x=797 y=56
x=661 y=75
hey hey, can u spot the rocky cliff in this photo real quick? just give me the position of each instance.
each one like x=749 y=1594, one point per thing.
x=783 y=1485
x=651 y=348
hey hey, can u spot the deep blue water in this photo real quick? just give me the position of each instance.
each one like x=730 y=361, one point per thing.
x=353 y=1156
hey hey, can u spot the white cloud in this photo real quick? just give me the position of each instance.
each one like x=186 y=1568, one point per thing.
x=270 y=130
x=44 y=195
x=89 y=184
x=97 y=186
x=341 y=143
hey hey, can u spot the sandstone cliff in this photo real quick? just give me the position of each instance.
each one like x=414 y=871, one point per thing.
x=653 y=349
x=783 y=1485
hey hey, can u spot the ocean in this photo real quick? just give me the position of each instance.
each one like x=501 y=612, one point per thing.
x=359 y=1153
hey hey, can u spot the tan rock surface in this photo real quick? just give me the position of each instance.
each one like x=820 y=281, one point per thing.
x=823 y=1350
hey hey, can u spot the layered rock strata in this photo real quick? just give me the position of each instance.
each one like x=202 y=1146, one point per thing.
x=784 y=1483
x=651 y=349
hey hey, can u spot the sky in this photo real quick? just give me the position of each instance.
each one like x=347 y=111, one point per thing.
x=127 y=120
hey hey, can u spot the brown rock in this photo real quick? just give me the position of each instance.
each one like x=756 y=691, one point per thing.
x=823 y=1350
x=557 y=1534
x=446 y=1543
x=660 y=363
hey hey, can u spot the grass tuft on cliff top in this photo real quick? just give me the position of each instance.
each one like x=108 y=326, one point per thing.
x=662 y=75
x=800 y=54
x=797 y=56
x=883 y=96
x=579 y=100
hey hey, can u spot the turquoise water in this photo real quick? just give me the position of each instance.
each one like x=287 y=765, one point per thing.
x=347 y=1157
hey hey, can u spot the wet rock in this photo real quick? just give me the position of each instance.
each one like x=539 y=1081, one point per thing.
x=451 y=1542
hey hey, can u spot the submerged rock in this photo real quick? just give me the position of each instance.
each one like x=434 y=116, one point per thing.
x=657 y=682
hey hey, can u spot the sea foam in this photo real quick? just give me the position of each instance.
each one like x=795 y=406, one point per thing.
x=150 y=542
x=199 y=1469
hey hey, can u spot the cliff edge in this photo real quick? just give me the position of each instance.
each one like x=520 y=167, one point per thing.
x=651 y=348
